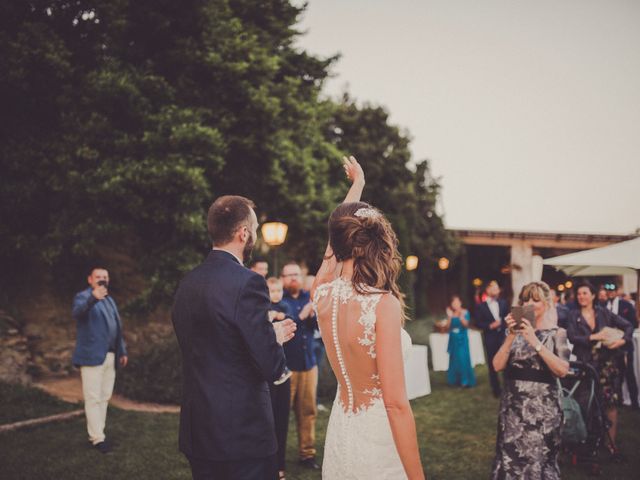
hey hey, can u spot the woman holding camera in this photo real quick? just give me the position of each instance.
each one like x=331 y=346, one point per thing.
x=532 y=356
x=593 y=344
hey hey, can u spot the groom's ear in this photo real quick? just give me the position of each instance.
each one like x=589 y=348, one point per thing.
x=242 y=231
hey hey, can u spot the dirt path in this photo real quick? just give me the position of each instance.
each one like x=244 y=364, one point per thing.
x=69 y=389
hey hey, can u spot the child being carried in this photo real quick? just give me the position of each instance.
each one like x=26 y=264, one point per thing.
x=278 y=312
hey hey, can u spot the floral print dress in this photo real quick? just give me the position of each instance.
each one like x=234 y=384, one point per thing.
x=530 y=419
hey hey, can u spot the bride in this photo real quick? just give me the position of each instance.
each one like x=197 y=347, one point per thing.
x=371 y=432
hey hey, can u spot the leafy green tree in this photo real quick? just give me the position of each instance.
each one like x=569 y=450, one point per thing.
x=122 y=120
x=125 y=119
x=406 y=193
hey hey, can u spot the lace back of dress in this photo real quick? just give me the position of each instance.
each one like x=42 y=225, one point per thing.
x=347 y=322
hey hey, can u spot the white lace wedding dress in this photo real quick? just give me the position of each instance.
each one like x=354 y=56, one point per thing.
x=359 y=443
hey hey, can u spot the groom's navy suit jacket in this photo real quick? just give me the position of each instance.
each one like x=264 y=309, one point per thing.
x=229 y=353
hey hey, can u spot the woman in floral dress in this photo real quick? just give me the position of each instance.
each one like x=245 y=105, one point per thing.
x=530 y=417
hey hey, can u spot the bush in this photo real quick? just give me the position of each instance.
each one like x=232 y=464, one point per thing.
x=156 y=375
x=153 y=376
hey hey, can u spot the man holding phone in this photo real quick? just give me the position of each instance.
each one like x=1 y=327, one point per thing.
x=100 y=348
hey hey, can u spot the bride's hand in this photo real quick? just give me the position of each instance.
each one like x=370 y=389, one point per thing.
x=353 y=170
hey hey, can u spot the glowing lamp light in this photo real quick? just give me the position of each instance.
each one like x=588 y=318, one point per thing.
x=477 y=282
x=568 y=284
x=412 y=262
x=443 y=263
x=561 y=288
x=274 y=233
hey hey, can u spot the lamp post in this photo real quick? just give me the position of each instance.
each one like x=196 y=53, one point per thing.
x=411 y=262
x=274 y=235
x=443 y=264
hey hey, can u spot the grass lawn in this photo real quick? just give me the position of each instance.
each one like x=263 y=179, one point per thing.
x=456 y=430
x=23 y=403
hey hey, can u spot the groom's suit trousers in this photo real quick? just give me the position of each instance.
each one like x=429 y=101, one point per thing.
x=245 y=469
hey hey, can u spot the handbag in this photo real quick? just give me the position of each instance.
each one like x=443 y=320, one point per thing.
x=574 y=428
x=612 y=335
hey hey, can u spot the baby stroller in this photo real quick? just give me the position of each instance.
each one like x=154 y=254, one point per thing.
x=583 y=442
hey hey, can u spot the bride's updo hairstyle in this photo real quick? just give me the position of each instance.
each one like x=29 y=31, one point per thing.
x=361 y=232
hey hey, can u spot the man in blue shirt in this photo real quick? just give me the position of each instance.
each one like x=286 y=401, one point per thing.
x=100 y=348
x=302 y=362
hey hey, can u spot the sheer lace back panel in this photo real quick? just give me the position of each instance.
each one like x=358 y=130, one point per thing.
x=347 y=321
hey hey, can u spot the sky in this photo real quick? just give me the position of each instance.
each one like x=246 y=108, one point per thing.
x=528 y=111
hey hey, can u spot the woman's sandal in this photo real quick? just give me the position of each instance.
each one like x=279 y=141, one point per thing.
x=281 y=476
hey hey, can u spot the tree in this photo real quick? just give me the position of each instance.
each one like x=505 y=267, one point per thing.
x=122 y=120
x=139 y=114
x=407 y=194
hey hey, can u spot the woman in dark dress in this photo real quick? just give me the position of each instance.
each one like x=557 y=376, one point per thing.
x=530 y=418
x=585 y=333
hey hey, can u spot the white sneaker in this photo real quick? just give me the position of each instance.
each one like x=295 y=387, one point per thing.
x=322 y=408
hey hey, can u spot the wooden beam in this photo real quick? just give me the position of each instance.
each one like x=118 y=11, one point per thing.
x=534 y=242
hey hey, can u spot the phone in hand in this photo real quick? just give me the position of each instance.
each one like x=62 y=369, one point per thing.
x=519 y=312
x=102 y=283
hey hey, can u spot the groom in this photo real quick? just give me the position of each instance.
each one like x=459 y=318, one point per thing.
x=230 y=351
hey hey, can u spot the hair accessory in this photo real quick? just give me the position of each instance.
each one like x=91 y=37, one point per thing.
x=366 y=212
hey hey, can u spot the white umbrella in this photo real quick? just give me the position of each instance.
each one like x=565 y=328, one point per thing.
x=617 y=259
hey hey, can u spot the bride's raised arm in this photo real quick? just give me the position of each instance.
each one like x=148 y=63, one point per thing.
x=355 y=174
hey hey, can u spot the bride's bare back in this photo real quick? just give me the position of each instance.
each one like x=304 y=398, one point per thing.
x=347 y=321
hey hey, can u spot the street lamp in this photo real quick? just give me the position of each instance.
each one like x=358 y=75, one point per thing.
x=274 y=235
x=443 y=264
x=411 y=262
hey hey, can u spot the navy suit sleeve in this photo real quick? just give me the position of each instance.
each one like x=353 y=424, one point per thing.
x=504 y=309
x=257 y=331
x=628 y=312
x=81 y=305
x=481 y=319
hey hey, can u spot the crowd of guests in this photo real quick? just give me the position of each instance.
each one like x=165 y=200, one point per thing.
x=594 y=326
x=297 y=389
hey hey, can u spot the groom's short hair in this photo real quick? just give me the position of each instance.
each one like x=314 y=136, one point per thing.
x=226 y=215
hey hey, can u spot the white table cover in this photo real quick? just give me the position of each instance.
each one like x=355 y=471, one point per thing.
x=416 y=372
x=440 y=358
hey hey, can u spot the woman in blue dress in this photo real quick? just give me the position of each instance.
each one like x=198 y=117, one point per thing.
x=460 y=369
